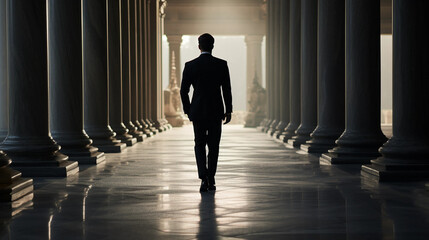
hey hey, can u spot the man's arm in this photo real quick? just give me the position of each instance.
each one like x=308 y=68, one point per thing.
x=227 y=95
x=184 y=89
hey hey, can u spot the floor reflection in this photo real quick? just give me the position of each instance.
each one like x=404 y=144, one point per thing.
x=208 y=226
x=264 y=191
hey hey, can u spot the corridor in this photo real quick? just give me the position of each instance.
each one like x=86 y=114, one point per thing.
x=265 y=191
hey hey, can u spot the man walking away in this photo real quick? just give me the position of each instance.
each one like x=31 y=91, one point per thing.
x=208 y=75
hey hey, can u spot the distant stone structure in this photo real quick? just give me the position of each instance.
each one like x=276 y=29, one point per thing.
x=172 y=102
x=257 y=104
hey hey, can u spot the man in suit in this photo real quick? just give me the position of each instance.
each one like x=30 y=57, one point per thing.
x=208 y=76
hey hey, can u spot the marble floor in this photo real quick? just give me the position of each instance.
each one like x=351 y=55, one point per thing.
x=265 y=191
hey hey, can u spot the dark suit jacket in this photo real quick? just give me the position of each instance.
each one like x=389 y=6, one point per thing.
x=207 y=75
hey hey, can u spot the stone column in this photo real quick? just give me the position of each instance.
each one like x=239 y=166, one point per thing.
x=3 y=73
x=162 y=6
x=148 y=83
x=29 y=142
x=266 y=123
x=96 y=82
x=150 y=130
x=405 y=155
x=115 y=74
x=276 y=68
x=363 y=137
x=308 y=74
x=134 y=76
x=132 y=34
x=155 y=80
x=127 y=76
x=295 y=70
x=12 y=186
x=144 y=127
x=66 y=83
x=331 y=72
x=284 y=109
x=253 y=61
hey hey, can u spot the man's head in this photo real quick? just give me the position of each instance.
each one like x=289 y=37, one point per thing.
x=205 y=42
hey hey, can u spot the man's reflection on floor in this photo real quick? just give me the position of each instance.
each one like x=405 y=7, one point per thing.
x=208 y=223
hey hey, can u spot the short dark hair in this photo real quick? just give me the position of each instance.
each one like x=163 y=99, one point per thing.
x=206 y=42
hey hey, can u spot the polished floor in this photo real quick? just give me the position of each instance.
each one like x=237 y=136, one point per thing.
x=265 y=191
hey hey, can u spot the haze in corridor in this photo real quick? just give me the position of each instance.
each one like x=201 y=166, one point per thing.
x=230 y=48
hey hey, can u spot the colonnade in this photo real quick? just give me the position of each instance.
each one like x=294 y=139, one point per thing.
x=323 y=83
x=78 y=79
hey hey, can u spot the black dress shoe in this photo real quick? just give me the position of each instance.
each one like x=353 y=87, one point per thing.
x=211 y=186
x=204 y=185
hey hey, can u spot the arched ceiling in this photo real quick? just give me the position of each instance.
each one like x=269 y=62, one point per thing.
x=218 y=17
x=233 y=17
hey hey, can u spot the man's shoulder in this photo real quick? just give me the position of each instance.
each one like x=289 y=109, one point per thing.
x=191 y=62
x=198 y=60
x=219 y=60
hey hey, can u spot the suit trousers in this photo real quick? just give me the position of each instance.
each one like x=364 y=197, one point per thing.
x=207 y=133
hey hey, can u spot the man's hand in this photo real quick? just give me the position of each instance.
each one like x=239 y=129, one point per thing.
x=227 y=118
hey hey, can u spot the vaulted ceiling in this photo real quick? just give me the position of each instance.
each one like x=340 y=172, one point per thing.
x=219 y=17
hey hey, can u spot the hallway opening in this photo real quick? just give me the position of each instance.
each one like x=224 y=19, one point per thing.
x=231 y=48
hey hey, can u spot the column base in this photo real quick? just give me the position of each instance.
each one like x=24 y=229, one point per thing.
x=166 y=124
x=385 y=170
x=145 y=129
x=280 y=128
x=334 y=158
x=267 y=125
x=123 y=136
x=343 y=155
x=148 y=133
x=14 y=188
x=322 y=140
x=112 y=147
x=104 y=139
x=355 y=147
x=154 y=130
x=88 y=155
x=285 y=136
x=158 y=126
x=272 y=128
x=262 y=125
x=63 y=169
x=277 y=139
x=138 y=135
x=129 y=141
x=55 y=165
x=297 y=141
x=291 y=143
x=303 y=133
x=315 y=148
x=137 y=124
x=93 y=158
x=288 y=132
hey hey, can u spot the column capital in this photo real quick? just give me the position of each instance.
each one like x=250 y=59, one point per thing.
x=171 y=39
